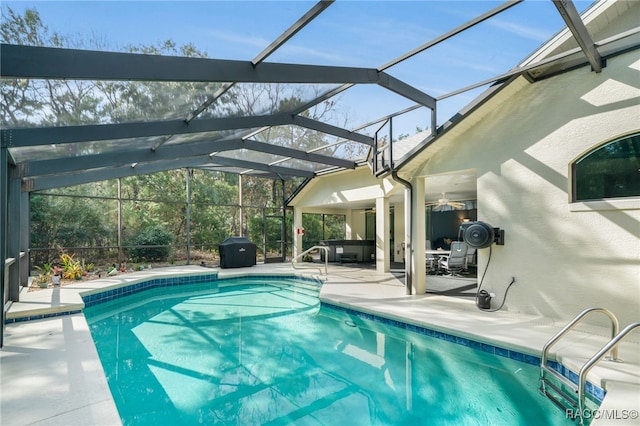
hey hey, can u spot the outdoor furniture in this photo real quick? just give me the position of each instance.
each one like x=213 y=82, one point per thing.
x=471 y=257
x=348 y=258
x=364 y=250
x=438 y=254
x=432 y=257
x=456 y=260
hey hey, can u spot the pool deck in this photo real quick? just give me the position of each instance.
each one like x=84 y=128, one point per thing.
x=50 y=373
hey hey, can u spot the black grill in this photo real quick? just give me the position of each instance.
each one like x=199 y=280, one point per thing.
x=237 y=252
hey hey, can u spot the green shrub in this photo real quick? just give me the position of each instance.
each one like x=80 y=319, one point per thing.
x=158 y=237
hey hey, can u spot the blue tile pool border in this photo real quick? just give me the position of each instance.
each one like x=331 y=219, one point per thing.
x=109 y=294
x=116 y=293
x=42 y=316
x=113 y=293
x=314 y=281
x=593 y=390
x=97 y=297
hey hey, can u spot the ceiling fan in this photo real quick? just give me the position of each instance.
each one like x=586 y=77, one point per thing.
x=444 y=201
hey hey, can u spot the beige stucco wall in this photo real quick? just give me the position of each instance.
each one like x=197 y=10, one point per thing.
x=399 y=230
x=564 y=260
x=565 y=256
x=349 y=186
x=342 y=193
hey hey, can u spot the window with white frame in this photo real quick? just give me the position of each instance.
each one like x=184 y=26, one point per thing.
x=611 y=170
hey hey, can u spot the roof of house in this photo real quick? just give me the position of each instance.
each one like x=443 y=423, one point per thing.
x=560 y=54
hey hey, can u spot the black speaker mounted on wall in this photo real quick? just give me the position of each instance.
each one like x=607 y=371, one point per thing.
x=481 y=234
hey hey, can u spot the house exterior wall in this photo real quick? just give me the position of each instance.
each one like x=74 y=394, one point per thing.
x=344 y=187
x=341 y=193
x=521 y=143
x=565 y=257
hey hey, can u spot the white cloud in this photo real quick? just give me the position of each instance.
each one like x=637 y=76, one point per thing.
x=296 y=52
x=239 y=39
x=520 y=30
x=290 y=51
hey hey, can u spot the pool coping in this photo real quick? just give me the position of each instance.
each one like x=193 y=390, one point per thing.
x=68 y=300
x=617 y=391
x=593 y=390
x=462 y=318
x=101 y=290
x=97 y=296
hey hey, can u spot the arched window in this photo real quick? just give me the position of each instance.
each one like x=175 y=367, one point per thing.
x=610 y=171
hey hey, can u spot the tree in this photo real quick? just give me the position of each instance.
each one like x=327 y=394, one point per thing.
x=69 y=222
x=151 y=202
x=20 y=97
x=214 y=215
x=158 y=238
x=31 y=102
x=155 y=100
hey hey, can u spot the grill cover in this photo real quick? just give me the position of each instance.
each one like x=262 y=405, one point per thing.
x=237 y=252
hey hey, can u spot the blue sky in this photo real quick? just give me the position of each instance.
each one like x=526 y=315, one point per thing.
x=348 y=33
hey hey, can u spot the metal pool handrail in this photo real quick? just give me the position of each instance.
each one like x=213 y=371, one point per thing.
x=613 y=344
x=580 y=388
x=326 y=259
x=615 y=327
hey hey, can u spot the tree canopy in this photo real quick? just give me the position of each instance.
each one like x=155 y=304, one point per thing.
x=155 y=204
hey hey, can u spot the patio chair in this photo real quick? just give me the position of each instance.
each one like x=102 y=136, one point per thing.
x=471 y=256
x=431 y=259
x=457 y=260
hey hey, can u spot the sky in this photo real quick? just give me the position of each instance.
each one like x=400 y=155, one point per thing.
x=347 y=33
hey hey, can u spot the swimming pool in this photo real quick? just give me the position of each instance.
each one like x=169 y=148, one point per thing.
x=263 y=351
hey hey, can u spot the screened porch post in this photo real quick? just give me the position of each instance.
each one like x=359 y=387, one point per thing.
x=187 y=178
x=25 y=238
x=120 y=251
x=283 y=225
x=240 y=208
x=264 y=234
x=383 y=263
x=14 y=224
x=419 y=270
x=4 y=191
x=297 y=237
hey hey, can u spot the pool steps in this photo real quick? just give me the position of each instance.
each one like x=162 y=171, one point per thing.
x=565 y=394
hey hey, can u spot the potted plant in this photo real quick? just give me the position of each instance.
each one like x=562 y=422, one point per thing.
x=43 y=280
x=88 y=268
x=44 y=275
x=72 y=269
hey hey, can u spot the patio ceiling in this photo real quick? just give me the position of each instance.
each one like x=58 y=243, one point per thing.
x=201 y=128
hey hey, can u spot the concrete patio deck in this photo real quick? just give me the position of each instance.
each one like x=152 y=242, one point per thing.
x=51 y=373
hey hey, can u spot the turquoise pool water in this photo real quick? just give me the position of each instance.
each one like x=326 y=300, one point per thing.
x=254 y=351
